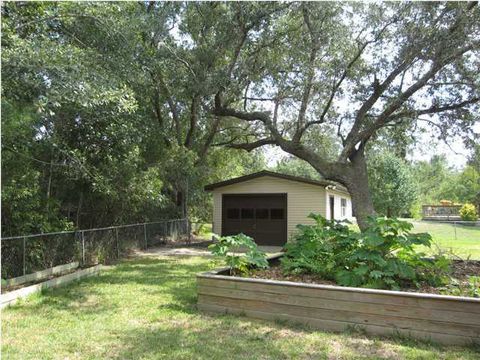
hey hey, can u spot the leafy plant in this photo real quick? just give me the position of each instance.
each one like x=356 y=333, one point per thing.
x=468 y=212
x=381 y=257
x=229 y=248
x=318 y=248
x=470 y=289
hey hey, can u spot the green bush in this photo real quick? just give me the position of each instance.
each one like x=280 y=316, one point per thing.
x=381 y=257
x=468 y=212
x=470 y=289
x=228 y=248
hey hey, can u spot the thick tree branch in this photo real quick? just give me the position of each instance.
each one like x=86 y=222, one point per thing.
x=314 y=45
x=434 y=109
x=336 y=86
x=172 y=106
x=334 y=171
x=252 y=145
x=346 y=71
x=157 y=108
x=378 y=89
x=439 y=61
x=208 y=139
x=193 y=120
x=384 y=117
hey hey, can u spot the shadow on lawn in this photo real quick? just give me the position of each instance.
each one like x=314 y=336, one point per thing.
x=157 y=277
x=204 y=338
x=169 y=324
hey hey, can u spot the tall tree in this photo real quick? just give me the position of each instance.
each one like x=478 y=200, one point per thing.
x=392 y=184
x=357 y=67
x=104 y=104
x=130 y=99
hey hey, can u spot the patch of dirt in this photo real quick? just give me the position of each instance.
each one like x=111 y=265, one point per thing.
x=461 y=270
x=464 y=268
x=193 y=241
x=275 y=273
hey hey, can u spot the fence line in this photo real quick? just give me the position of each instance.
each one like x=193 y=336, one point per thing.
x=92 y=229
x=22 y=255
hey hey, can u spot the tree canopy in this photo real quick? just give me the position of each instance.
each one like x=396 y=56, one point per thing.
x=116 y=112
x=393 y=186
x=358 y=68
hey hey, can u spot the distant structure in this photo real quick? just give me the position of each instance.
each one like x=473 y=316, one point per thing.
x=446 y=211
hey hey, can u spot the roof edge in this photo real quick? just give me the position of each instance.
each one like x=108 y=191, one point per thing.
x=323 y=183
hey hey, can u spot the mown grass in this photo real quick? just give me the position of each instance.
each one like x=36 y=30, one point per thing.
x=144 y=308
x=461 y=240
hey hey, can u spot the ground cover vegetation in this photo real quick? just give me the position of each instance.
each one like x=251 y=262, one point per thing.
x=240 y=253
x=383 y=256
x=387 y=255
x=454 y=240
x=144 y=308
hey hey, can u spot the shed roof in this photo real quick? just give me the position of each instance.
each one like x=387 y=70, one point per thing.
x=323 y=183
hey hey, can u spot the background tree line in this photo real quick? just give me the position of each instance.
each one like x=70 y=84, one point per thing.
x=92 y=134
x=122 y=112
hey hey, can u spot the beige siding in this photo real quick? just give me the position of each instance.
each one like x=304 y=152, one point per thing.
x=302 y=199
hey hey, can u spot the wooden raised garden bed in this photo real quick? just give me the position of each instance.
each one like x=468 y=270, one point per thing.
x=439 y=318
x=10 y=298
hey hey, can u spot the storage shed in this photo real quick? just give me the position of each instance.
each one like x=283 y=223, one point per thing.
x=268 y=206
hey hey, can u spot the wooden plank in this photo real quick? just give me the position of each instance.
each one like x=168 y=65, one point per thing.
x=338 y=293
x=446 y=319
x=392 y=311
x=344 y=315
x=40 y=275
x=212 y=275
x=337 y=326
x=11 y=297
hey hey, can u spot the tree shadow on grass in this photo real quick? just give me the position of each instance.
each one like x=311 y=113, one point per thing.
x=236 y=337
x=156 y=277
x=166 y=323
x=164 y=278
x=200 y=337
x=77 y=298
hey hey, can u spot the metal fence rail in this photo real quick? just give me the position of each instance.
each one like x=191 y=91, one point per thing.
x=27 y=254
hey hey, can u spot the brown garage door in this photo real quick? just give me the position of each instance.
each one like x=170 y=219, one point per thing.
x=261 y=216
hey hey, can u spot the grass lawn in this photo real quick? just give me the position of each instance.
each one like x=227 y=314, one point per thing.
x=144 y=308
x=463 y=240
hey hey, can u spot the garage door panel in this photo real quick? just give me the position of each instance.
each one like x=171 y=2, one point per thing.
x=261 y=216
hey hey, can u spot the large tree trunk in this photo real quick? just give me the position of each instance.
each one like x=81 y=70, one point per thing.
x=352 y=175
x=361 y=201
x=357 y=185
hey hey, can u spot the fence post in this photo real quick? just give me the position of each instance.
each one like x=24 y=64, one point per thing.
x=83 y=248
x=189 y=231
x=118 y=244
x=24 y=250
x=145 y=235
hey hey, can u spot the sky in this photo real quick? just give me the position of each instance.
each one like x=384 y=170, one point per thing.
x=457 y=158
x=423 y=150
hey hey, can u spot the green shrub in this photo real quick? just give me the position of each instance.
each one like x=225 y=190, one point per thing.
x=228 y=248
x=319 y=248
x=416 y=210
x=470 y=289
x=381 y=257
x=468 y=212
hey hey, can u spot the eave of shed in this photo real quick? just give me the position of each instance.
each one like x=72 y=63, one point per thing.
x=322 y=183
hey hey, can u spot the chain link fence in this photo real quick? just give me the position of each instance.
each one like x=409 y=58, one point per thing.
x=23 y=255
